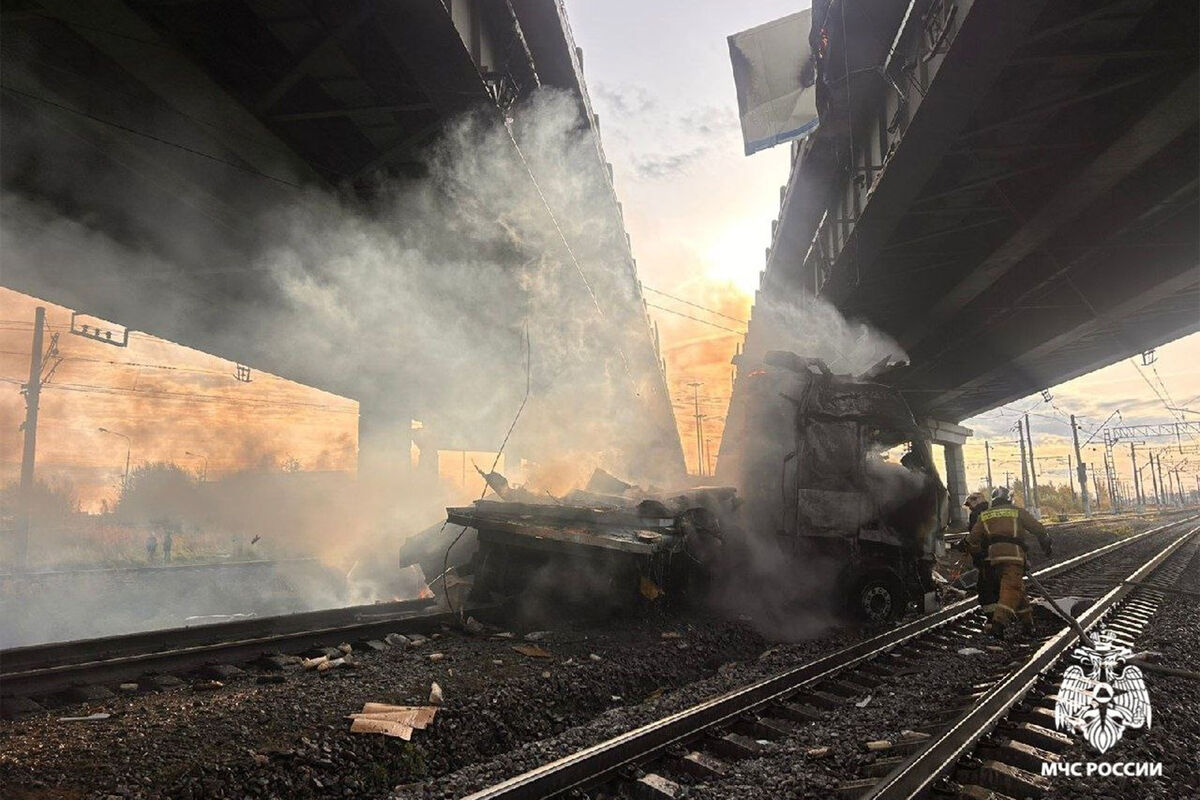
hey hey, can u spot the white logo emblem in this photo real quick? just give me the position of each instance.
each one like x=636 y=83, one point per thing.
x=1101 y=704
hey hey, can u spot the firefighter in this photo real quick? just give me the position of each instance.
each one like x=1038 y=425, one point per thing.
x=999 y=536
x=987 y=586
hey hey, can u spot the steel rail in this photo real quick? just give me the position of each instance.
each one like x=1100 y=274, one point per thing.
x=938 y=758
x=40 y=670
x=606 y=759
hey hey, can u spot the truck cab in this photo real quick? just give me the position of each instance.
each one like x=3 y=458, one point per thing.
x=813 y=454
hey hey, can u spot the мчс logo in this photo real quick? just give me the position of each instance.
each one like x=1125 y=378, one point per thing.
x=1100 y=704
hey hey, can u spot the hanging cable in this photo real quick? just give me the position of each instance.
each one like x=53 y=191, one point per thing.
x=495 y=461
x=570 y=252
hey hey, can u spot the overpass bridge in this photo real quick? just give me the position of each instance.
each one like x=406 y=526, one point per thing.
x=1006 y=190
x=181 y=129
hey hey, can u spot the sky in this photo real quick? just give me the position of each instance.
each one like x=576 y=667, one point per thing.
x=698 y=212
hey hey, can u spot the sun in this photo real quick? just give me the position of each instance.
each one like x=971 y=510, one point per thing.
x=736 y=255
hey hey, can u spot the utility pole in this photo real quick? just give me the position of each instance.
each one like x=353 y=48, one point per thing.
x=1162 y=485
x=32 y=391
x=1024 y=465
x=699 y=436
x=1137 y=484
x=1154 y=481
x=1108 y=481
x=1096 y=486
x=1037 y=512
x=987 y=452
x=1071 y=476
x=1083 y=487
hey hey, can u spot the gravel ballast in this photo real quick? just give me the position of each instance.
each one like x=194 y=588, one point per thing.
x=291 y=739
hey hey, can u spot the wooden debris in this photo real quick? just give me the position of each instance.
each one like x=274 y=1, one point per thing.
x=395 y=721
x=532 y=650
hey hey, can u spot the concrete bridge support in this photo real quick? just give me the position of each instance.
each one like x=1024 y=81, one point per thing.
x=952 y=438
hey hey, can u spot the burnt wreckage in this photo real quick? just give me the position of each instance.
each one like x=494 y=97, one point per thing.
x=806 y=451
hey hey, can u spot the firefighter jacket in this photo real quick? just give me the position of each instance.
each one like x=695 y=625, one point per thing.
x=1000 y=534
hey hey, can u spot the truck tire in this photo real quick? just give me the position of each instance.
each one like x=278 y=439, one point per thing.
x=878 y=597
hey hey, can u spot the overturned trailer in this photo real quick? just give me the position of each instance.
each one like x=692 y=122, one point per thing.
x=594 y=546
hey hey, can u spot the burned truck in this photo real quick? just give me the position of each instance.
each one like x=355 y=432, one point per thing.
x=815 y=455
x=826 y=510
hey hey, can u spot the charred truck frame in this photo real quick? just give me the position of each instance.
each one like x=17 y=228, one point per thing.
x=818 y=504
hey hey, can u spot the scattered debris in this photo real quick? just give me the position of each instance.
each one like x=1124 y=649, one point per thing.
x=648 y=588
x=546 y=673
x=970 y=651
x=375 y=644
x=474 y=626
x=436 y=657
x=863 y=703
x=416 y=639
x=435 y=694
x=99 y=715
x=531 y=650
x=817 y=752
x=314 y=663
x=128 y=688
x=879 y=744
x=672 y=635
x=397 y=640
x=332 y=663
x=498 y=662
x=594 y=657
x=504 y=635
x=345 y=648
x=536 y=636
x=207 y=686
x=389 y=720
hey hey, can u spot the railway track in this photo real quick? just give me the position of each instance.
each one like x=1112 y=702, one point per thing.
x=40 y=670
x=705 y=743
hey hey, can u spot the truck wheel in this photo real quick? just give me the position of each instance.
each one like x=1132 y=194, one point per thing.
x=879 y=597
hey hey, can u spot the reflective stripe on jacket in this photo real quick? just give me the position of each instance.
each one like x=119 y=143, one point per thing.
x=1000 y=532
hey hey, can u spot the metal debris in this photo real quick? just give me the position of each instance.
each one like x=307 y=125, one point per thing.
x=99 y=715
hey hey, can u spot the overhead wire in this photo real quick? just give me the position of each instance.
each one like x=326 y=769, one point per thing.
x=694 y=305
x=695 y=319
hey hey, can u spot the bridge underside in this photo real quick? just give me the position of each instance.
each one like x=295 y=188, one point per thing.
x=1023 y=205
x=152 y=148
